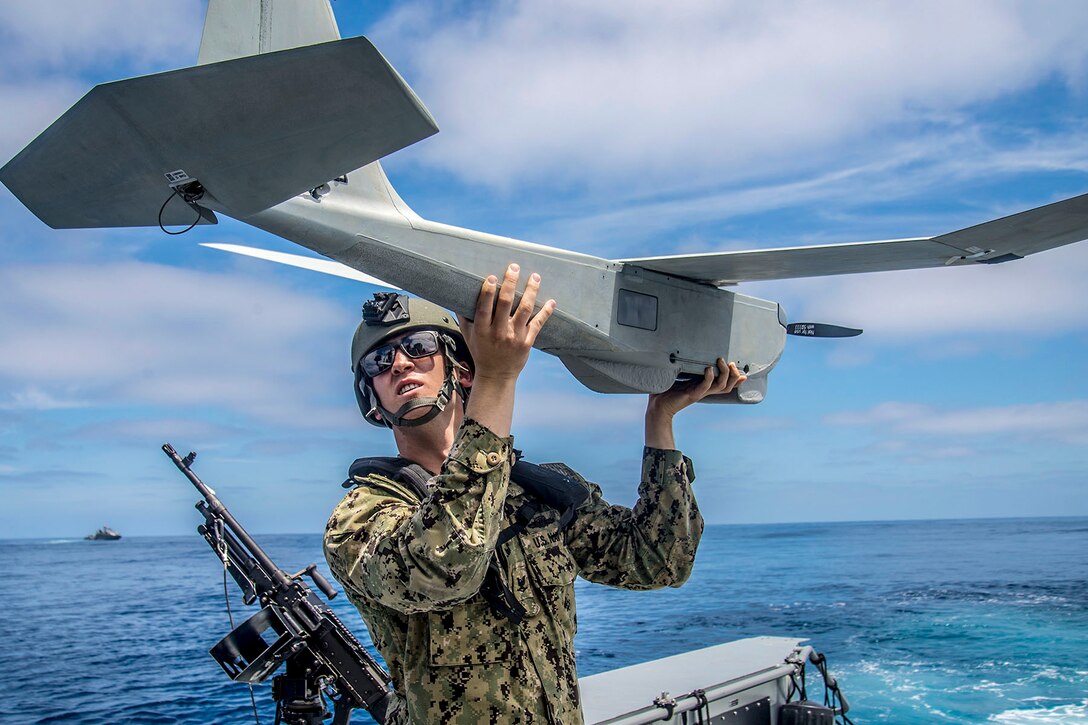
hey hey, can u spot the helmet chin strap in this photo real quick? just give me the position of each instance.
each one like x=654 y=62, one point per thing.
x=436 y=404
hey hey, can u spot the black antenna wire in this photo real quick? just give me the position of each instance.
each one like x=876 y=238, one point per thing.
x=174 y=193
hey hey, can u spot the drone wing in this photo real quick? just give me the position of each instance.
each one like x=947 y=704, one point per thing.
x=1001 y=240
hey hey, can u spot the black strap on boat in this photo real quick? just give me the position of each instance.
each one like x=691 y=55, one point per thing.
x=833 y=697
x=704 y=704
x=701 y=714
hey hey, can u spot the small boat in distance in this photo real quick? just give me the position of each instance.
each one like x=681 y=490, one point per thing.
x=103 y=534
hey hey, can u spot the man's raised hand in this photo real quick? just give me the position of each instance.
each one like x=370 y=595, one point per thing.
x=500 y=336
x=662 y=407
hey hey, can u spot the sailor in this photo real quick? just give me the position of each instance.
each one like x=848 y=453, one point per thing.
x=463 y=572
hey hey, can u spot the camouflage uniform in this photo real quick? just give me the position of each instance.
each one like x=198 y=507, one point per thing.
x=414 y=569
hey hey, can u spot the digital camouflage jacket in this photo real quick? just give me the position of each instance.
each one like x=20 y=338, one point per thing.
x=414 y=569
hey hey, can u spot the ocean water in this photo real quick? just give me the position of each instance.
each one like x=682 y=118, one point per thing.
x=922 y=622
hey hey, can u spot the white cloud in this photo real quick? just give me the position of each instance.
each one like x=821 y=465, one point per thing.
x=840 y=197
x=749 y=423
x=546 y=409
x=39 y=103
x=33 y=398
x=127 y=333
x=52 y=52
x=1063 y=421
x=883 y=414
x=60 y=33
x=154 y=430
x=611 y=91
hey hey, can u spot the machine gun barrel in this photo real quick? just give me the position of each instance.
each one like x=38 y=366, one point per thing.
x=216 y=507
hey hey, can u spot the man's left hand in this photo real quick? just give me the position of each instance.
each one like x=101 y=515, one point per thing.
x=662 y=407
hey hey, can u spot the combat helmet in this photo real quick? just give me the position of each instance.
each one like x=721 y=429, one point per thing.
x=391 y=314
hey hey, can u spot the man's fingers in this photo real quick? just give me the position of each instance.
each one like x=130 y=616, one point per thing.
x=727 y=379
x=528 y=300
x=505 y=304
x=539 y=319
x=465 y=326
x=485 y=303
x=733 y=377
x=714 y=371
x=700 y=388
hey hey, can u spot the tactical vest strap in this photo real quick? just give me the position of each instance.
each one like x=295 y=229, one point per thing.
x=545 y=483
x=550 y=486
x=498 y=594
x=522 y=517
x=393 y=467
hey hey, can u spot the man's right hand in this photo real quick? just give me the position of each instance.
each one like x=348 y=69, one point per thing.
x=499 y=338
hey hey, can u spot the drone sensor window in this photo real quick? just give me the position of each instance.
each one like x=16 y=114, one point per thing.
x=637 y=310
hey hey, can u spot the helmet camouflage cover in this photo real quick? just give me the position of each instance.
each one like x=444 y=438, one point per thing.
x=391 y=314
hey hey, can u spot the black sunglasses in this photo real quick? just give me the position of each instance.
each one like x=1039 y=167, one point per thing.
x=422 y=343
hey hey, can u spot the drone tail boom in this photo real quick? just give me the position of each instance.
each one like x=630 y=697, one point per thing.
x=237 y=28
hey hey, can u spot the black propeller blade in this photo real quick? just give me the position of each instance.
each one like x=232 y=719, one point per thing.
x=819 y=329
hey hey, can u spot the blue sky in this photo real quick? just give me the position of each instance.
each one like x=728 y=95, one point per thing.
x=621 y=130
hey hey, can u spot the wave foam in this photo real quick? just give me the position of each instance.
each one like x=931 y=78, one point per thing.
x=1061 y=715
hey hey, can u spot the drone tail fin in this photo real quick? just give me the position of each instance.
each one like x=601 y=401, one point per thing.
x=236 y=136
x=239 y=28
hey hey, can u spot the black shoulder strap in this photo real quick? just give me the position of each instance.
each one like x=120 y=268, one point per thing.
x=393 y=467
x=548 y=484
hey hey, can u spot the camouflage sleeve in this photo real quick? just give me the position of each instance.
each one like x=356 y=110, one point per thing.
x=415 y=556
x=649 y=546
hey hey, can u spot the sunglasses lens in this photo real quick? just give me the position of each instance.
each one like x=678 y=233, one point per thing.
x=416 y=345
x=378 y=360
x=420 y=344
